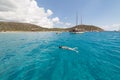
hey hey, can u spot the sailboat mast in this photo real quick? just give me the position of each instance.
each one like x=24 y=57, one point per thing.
x=76 y=18
x=81 y=20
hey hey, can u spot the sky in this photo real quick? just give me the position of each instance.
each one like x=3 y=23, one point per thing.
x=62 y=13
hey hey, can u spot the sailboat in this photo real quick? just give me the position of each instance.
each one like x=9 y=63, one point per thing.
x=76 y=30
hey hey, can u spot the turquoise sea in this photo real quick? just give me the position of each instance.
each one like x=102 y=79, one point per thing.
x=36 y=56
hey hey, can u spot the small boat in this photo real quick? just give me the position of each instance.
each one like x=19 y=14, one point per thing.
x=58 y=32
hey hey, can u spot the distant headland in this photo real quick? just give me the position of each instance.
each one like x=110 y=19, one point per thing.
x=14 y=26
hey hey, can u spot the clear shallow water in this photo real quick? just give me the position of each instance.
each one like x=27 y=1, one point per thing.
x=36 y=56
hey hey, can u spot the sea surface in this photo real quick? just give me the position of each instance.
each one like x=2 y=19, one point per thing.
x=37 y=56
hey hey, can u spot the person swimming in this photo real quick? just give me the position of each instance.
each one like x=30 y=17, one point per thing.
x=68 y=48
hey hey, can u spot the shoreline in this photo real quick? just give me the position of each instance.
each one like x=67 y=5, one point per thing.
x=29 y=31
x=47 y=31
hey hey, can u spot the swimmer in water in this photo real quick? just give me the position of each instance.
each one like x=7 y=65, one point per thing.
x=68 y=48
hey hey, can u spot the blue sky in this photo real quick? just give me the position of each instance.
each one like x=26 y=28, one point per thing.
x=62 y=13
x=95 y=12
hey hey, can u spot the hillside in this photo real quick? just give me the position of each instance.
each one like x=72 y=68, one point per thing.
x=87 y=28
x=13 y=26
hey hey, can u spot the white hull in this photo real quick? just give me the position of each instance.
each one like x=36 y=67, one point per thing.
x=77 y=32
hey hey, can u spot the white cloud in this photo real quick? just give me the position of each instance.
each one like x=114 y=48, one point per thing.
x=65 y=25
x=68 y=24
x=49 y=12
x=26 y=11
x=56 y=20
x=111 y=27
